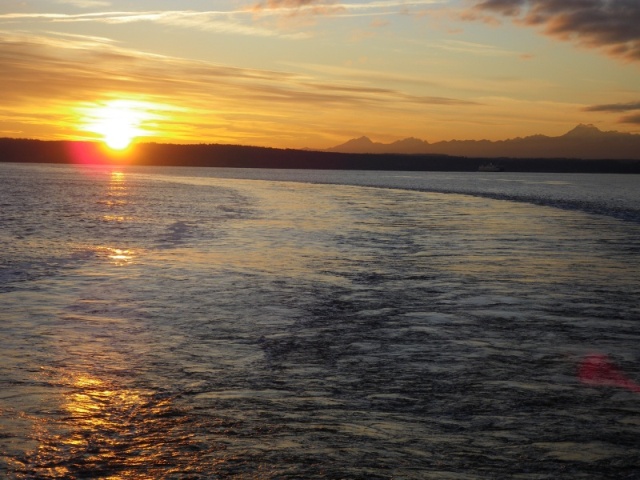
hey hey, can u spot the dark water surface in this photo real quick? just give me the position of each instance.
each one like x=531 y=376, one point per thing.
x=162 y=326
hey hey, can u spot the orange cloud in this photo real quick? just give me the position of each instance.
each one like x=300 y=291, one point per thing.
x=315 y=7
x=46 y=78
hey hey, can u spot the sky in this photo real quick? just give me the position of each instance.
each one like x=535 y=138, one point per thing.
x=316 y=73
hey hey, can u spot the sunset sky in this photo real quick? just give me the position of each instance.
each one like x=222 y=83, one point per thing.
x=305 y=73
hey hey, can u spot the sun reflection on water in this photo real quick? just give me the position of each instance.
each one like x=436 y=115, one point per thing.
x=115 y=198
x=121 y=257
x=117 y=185
x=116 y=256
x=105 y=430
x=115 y=218
x=117 y=176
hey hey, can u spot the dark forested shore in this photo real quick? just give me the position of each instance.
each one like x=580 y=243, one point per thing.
x=238 y=156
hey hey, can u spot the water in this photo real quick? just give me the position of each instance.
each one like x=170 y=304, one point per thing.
x=194 y=324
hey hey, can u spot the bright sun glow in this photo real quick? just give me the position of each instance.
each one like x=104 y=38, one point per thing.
x=118 y=122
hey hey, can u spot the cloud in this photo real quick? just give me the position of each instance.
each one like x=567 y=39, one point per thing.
x=217 y=21
x=631 y=119
x=614 y=107
x=324 y=7
x=276 y=4
x=295 y=8
x=617 y=108
x=243 y=21
x=379 y=23
x=475 y=48
x=300 y=15
x=43 y=77
x=608 y=25
x=210 y=21
x=289 y=3
x=85 y=3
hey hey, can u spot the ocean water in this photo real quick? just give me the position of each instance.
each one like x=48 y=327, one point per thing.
x=168 y=323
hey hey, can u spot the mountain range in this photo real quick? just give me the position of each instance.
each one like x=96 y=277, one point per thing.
x=583 y=141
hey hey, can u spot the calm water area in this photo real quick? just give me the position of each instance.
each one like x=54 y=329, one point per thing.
x=187 y=323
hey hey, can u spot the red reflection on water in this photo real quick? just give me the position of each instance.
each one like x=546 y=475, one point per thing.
x=597 y=369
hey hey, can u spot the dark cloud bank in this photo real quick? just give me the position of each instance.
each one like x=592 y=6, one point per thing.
x=620 y=107
x=610 y=25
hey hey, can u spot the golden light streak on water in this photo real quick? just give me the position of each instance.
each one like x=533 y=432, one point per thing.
x=121 y=257
x=102 y=429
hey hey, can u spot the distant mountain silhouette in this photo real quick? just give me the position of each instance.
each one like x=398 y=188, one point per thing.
x=365 y=145
x=583 y=141
x=586 y=131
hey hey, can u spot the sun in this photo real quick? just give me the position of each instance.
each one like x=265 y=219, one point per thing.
x=118 y=122
x=119 y=137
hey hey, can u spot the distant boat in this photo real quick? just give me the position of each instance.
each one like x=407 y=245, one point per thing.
x=489 y=167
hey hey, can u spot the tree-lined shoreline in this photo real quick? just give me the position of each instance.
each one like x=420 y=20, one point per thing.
x=239 y=156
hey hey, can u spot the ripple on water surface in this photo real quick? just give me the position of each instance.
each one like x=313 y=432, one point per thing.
x=244 y=329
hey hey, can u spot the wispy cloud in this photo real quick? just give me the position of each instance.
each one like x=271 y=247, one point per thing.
x=324 y=6
x=85 y=3
x=454 y=84
x=475 y=48
x=220 y=102
x=618 y=108
x=291 y=3
x=614 y=107
x=607 y=25
x=300 y=15
x=635 y=119
x=292 y=7
x=249 y=21
x=218 y=21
